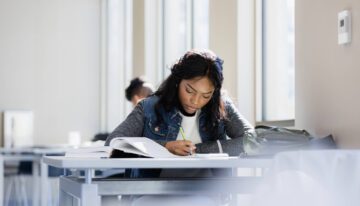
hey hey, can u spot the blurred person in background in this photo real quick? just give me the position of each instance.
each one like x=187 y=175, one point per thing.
x=138 y=90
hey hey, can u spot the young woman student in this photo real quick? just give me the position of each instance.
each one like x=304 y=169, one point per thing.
x=188 y=104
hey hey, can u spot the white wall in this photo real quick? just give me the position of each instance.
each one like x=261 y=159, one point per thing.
x=49 y=63
x=327 y=75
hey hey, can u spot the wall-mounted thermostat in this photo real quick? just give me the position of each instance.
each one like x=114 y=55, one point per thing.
x=344 y=27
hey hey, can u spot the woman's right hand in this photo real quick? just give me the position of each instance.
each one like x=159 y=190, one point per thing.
x=181 y=147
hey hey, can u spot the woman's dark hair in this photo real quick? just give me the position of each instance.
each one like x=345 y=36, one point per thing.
x=194 y=64
x=138 y=86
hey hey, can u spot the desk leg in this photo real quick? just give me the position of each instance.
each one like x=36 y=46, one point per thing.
x=1 y=180
x=44 y=187
x=88 y=176
x=35 y=175
x=234 y=195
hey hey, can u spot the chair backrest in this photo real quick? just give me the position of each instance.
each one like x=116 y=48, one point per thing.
x=319 y=177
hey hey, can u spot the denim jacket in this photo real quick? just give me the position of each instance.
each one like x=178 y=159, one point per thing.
x=169 y=129
x=141 y=122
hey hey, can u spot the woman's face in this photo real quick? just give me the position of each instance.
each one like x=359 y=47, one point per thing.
x=195 y=93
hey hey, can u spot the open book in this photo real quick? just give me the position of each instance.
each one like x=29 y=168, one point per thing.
x=91 y=151
x=132 y=147
x=124 y=147
x=140 y=146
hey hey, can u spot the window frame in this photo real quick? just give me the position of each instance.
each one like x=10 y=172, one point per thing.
x=260 y=73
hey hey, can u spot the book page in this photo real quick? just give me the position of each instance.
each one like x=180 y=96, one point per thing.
x=123 y=145
x=210 y=155
x=141 y=146
x=92 y=151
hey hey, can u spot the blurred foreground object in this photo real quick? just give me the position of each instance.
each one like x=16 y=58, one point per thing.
x=312 y=178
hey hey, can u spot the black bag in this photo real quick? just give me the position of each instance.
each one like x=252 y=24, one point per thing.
x=271 y=140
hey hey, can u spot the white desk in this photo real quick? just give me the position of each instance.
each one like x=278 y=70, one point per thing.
x=89 y=189
x=38 y=170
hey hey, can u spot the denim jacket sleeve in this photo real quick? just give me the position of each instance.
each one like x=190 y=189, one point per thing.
x=132 y=126
x=237 y=128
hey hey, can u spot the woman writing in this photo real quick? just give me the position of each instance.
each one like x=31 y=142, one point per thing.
x=189 y=100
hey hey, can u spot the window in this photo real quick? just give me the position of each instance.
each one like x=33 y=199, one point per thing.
x=176 y=38
x=277 y=61
x=171 y=28
x=201 y=24
x=116 y=38
x=185 y=26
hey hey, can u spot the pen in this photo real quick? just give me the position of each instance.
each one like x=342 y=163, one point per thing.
x=183 y=136
x=182 y=133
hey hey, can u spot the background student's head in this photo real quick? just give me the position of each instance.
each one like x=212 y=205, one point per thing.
x=138 y=90
x=194 y=83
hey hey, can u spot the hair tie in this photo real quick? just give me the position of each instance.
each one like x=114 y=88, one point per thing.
x=218 y=64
